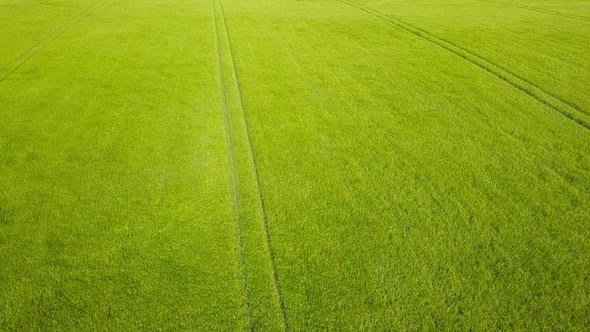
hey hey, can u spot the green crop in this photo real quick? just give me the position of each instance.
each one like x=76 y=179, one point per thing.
x=378 y=165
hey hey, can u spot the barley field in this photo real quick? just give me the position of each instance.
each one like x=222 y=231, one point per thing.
x=294 y=165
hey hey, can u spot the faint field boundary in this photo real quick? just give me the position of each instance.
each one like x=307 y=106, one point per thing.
x=541 y=10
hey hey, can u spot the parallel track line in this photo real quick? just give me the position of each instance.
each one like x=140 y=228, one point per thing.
x=17 y=62
x=553 y=102
x=258 y=187
x=232 y=173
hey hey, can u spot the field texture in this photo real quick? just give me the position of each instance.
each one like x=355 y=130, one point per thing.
x=304 y=165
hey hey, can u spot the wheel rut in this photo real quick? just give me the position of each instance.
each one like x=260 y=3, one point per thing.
x=241 y=113
x=20 y=60
x=232 y=173
x=553 y=102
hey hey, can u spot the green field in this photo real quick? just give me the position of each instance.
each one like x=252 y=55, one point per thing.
x=302 y=165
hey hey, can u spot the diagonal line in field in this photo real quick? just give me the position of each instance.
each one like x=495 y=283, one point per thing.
x=576 y=114
x=17 y=62
x=541 y=10
x=232 y=171
x=258 y=187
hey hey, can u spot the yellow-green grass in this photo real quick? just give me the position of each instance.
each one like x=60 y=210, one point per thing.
x=545 y=48
x=115 y=203
x=294 y=165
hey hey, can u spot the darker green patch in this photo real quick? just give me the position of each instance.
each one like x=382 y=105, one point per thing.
x=55 y=246
x=4 y=217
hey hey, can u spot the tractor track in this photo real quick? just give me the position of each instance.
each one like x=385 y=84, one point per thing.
x=232 y=173
x=572 y=112
x=20 y=60
x=258 y=188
